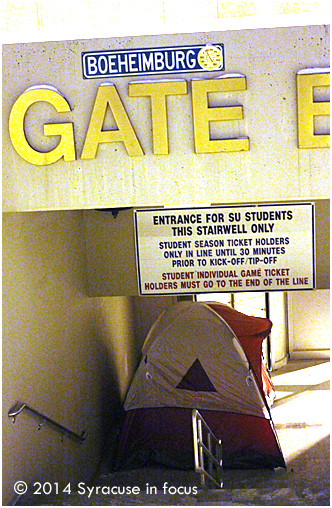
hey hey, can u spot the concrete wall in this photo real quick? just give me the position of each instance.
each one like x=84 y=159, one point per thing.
x=274 y=168
x=67 y=355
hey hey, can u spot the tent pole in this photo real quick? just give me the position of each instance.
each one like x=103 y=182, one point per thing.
x=268 y=338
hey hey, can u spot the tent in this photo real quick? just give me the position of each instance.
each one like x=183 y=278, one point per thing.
x=250 y=331
x=206 y=357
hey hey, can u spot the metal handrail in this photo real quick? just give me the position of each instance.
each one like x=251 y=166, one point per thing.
x=215 y=470
x=20 y=406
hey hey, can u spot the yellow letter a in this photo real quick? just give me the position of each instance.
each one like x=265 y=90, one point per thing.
x=108 y=95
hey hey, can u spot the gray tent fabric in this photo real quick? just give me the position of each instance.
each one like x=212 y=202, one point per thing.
x=186 y=333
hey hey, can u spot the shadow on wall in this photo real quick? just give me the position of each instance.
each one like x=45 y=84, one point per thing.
x=109 y=400
x=120 y=327
x=119 y=345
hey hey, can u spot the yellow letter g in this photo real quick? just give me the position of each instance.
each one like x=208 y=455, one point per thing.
x=66 y=146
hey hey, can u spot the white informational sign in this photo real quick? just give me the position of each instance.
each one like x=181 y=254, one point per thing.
x=225 y=249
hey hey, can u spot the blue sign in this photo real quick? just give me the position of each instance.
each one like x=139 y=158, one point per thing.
x=170 y=60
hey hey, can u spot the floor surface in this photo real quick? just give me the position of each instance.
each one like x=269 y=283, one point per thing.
x=301 y=414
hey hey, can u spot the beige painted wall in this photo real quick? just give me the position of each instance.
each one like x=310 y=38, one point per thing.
x=66 y=354
x=309 y=324
x=322 y=227
x=110 y=253
x=279 y=333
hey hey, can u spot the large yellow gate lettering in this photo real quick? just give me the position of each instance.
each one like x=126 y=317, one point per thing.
x=66 y=146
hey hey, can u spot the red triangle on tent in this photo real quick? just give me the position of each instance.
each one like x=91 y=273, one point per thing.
x=196 y=379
